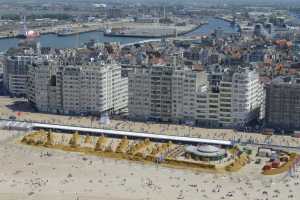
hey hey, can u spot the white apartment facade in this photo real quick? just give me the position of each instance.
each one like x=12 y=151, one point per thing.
x=247 y=96
x=235 y=100
x=179 y=94
x=91 y=88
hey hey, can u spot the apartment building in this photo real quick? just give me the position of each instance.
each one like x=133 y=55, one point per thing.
x=283 y=103
x=164 y=93
x=149 y=93
x=233 y=97
x=185 y=84
x=247 y=96
x=37 y=85
x=90 y=88
x=15 y=74
x=202 y=106
x=222 y=96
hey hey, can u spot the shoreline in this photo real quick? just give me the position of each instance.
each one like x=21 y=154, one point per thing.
x=152 y=36
x=53 y=33
x=105 y=34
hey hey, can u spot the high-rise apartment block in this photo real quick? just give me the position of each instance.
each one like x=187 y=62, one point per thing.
x=149 y=93
x=223 y=96
x=90 y=88
x=15 y=73
x=233 y=97
x=283 y=103
x=163 y=93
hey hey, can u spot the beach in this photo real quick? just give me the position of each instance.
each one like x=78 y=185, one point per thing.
x=39 y=173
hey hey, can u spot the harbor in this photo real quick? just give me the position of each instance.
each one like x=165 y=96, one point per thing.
x=50 y=39
x=122 y=28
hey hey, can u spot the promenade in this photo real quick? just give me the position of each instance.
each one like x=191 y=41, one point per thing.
x=22 y=111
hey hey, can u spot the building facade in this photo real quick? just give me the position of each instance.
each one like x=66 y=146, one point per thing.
x=149 y=93
x=15 y=74
x=220 y=97
x=283 y=103
x=232 y=97
x=91 y=88
x=163 y=93
x=247 y=96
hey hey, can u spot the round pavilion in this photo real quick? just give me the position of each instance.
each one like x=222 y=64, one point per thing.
x=205 y=152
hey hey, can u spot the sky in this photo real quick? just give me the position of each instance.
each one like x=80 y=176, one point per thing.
x=203 y=2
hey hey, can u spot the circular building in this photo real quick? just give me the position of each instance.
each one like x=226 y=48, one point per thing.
x=205 y=152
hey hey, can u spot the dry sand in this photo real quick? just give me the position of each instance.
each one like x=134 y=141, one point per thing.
x=38 y=173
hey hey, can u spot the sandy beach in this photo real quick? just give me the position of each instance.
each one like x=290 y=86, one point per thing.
x=39 y=173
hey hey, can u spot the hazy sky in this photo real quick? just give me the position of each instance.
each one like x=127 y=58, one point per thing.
x=203 y=2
